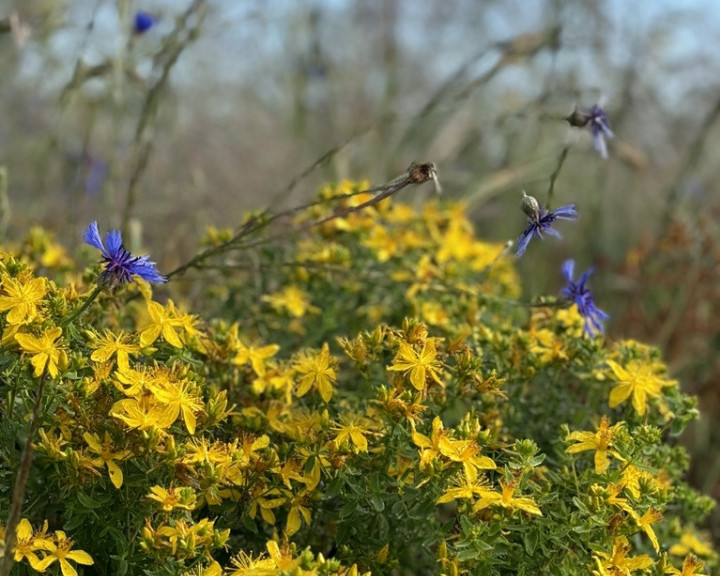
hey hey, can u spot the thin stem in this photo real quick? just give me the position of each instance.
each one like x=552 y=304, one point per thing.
x=90 y=299
x=555 y=174
x=416 y=174
x=21 y=483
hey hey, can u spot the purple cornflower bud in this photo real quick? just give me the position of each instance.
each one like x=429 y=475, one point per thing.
x=579 y=294
x=540 y=220
x=120 y=265
x=143 y=22
x=597 y=119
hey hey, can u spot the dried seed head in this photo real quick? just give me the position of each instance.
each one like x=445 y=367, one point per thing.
x=531 y=207
x=578 y=118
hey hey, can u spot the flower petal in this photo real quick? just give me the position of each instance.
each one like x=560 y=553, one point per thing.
x=92 y=237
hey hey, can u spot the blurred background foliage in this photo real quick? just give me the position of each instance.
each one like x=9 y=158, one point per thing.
x=224 y=107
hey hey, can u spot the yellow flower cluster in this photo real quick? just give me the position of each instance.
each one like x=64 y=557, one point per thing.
x=380 y=393
x=41 y=549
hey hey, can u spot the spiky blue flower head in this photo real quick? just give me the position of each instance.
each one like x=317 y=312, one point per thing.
x=580 y=294
x=120 y=265
x=540 y=221
x=143 y=22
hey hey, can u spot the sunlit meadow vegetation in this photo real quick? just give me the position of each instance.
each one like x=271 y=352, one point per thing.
x=371 y=396
x=333 y=377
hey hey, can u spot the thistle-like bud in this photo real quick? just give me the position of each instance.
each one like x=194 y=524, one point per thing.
x=531 y=207
x=578 y=118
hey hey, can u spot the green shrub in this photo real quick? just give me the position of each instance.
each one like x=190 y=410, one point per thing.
x=367 y=395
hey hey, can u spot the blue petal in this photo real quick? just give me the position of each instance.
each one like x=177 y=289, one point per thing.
x=566 y=212
x=569 y=269
x=600 y=145
x=524 y=240
x=146 y=270
x=553 y=232
x=92 y=237
x=584 y=277
x=114 y=242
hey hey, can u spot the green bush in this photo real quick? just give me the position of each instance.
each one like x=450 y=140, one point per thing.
x=367 y=394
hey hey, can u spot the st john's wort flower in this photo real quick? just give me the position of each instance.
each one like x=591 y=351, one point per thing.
x=579 y=294
x=540 y=220
x=120 y=265
x=597 y=119
x=143 y=22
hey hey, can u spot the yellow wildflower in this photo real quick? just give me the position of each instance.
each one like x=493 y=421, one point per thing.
x=422 y=365
x=645 y=521
x=214 y=569
x=351 y=431
x=506 y=499
x=141 y=414
x=634 y=478
x=199 y=450
x=176 y=398
x=467 y=453
x=464 y=488
x=600 y=441
x=183 y=498
x=137 y=381
x=639 y=380
x=291 y=299
x=118 y=345
x=610 y=495
x=22 y=299
x=429 y=447
x=161 y=322
x=282 y=557
x=245 y=565
x=46 y=354
x=298 y=512
x=60 y=551
x=107 y=456
x=690 y=543
x=617 y=562
x=547 y=346
x=52 y=444
x=254 y=355
x=691 y=567
x=27 y=544
x=266 y=503
x=316 y=369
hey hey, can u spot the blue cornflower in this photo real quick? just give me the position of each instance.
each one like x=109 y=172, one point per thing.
x=143 y=22
x=578 y=293
x=540 y=220
x=597 y=119
x=120 y=265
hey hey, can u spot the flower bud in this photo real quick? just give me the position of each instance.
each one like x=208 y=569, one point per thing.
x=531 y=207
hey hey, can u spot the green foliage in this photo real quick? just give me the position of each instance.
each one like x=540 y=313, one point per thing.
x=367 y=396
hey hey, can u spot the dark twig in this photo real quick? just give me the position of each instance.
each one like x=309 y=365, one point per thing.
x=21 y=483
x=555 y=174
x=416 y=174
x=166 y=59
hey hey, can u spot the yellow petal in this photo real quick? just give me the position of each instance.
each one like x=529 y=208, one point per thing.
x=149 y=335
x=24 y=529
x=293 y=522
x=171 y=336
x=67 y=568
x=619 y=394
x=81 y=557
x=116 y=475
